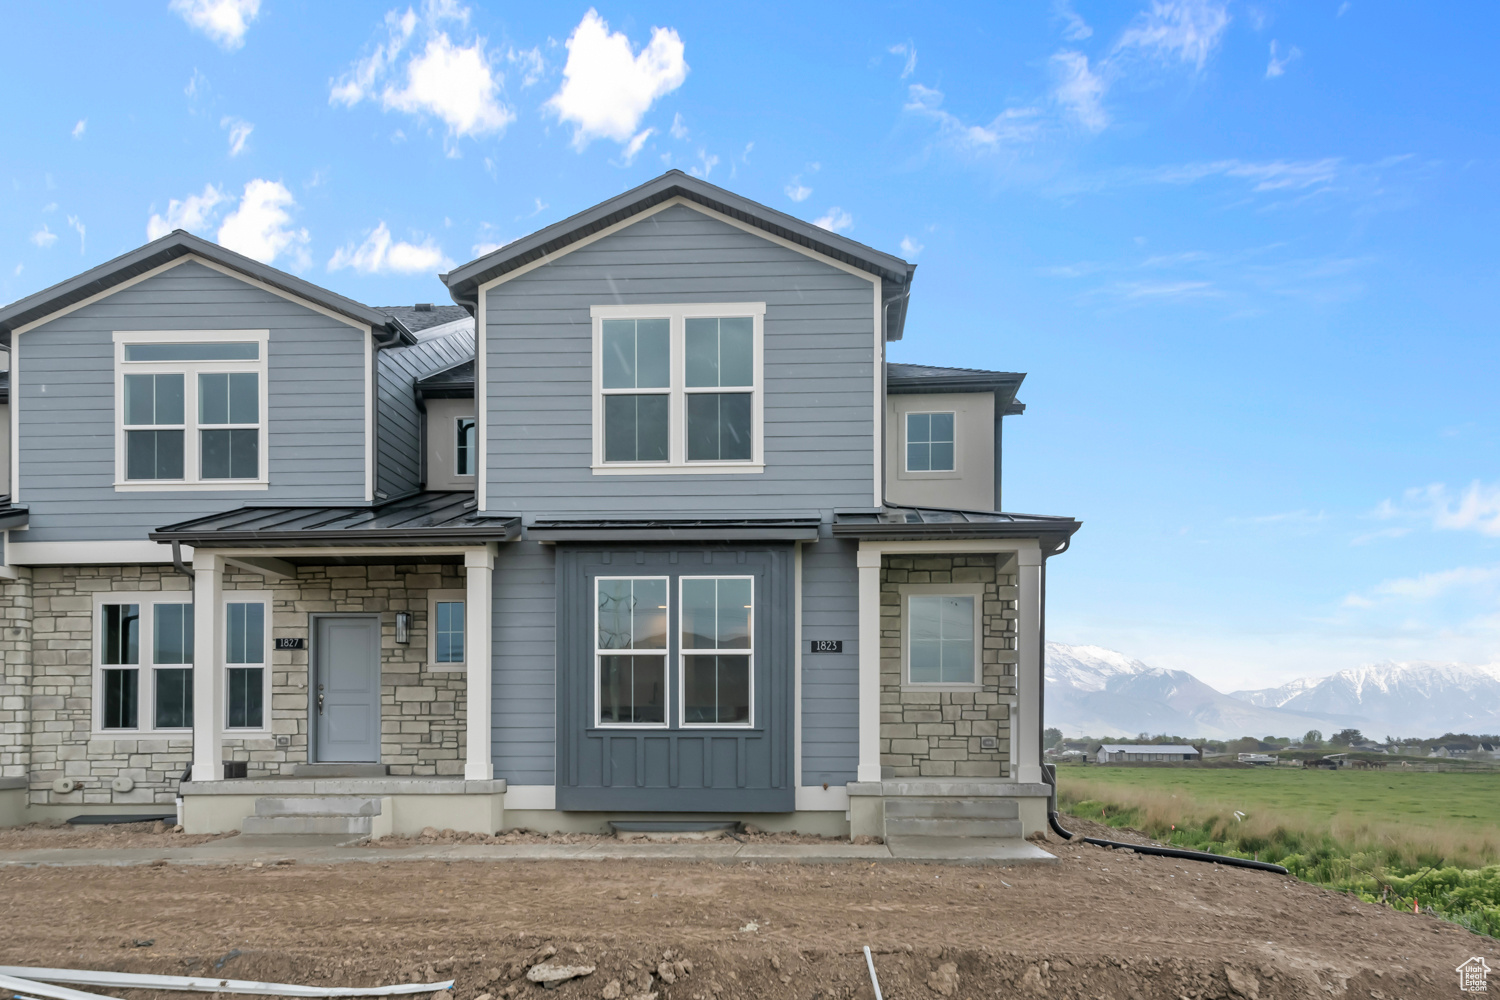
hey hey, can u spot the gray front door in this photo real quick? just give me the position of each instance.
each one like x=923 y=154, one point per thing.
x=346 y=689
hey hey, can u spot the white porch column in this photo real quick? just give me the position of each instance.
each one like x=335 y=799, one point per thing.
x=208 y=679
x=479 y=565
x=1027 y=726
x=869 y=661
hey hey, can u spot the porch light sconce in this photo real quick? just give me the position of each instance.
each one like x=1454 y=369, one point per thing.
x=403 y=627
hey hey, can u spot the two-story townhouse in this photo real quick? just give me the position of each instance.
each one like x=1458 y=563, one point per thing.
x=646 y=528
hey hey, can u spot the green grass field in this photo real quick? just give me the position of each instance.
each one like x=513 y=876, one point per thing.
x=1399 y=836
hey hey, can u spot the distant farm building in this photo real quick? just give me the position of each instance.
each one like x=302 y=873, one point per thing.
x=1131 y=753
x=1256 y=758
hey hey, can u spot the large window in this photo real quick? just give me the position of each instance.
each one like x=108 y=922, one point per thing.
x=942 y=635
x=143 y=662
x=678 y=388
x=191 y=410
x=717 y=650
x=929 y=442
x=630 y=650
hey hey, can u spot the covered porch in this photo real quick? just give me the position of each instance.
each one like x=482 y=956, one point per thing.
x=342 y=668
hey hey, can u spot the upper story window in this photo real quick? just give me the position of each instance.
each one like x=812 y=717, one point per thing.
x=465 y=457
x=929 y=442
x=191 y=410
x=678 y=388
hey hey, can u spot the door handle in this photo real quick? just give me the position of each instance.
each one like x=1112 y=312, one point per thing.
x=320 y=699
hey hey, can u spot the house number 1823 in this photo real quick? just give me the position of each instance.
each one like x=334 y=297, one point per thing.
x=827 y=645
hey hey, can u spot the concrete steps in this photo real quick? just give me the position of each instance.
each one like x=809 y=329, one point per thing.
x=983 y=818
x=325 y=815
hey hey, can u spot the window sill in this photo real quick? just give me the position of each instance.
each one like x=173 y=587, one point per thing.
x=929 y=474
x=447 y=668
x=179 y=486
x=911 y=686
x=650 y=727
x=141 y=734
x=668 y=469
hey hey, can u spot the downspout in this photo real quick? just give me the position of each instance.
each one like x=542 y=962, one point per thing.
x=178 y=565
x=999 y=416
x=1049 y=771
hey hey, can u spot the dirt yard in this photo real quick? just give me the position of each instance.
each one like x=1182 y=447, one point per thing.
x=107 y=835
x=1101 y=924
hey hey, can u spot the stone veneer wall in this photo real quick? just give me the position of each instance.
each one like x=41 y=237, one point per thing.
x=936 y=733
x=46 y=689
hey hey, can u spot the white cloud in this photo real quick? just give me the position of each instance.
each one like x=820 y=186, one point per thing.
x=1077 y=28
x=77 y=225
x=910 y=247
x=224 y=21
x=480 y=249
x=909 y=50
x=44 y=237
x=19 y=269
x=529 y=62
x=1475 y=509
x=679 y=127
x=635 y=144
x=797 y=191
x=836 y=220
x=454 y=83
x=1079 y=90
x=1011 y=126
x=1187 y=30
x=1277 y=175
x=706 y=163
x=239 y=134
x=380 y=254
x=1276 y=66
x=261 y=228
x=193 y=213
x=606 y=88
x=78 y=130
x=1430 y=586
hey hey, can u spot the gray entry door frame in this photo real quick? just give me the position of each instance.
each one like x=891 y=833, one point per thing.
x=344 y=688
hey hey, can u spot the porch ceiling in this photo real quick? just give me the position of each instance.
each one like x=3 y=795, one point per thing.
x=430 y=518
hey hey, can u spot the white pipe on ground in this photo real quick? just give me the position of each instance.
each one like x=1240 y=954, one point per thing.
x=22 y=979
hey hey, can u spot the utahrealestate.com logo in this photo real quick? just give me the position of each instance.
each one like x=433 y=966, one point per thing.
x=1473 y=976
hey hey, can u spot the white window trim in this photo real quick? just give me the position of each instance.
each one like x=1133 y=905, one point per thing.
x=474 y=457
x=191 y=481
x=677 y=315
x=683 y=654
x=909 y=473
x=434 y=597
x=666 y=655
x=146 y=669
x=264 y=597
x=975 y=591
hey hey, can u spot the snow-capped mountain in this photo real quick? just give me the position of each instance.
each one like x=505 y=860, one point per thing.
x=1099 y=692
x=1412 y=698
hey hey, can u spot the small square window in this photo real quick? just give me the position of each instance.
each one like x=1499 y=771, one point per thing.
x=929 y=442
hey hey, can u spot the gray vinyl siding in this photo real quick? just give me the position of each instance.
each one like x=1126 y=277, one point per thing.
x=398 y=422
x=819 y=371
x=524 y=655
x=315 y=430
x=830 y=681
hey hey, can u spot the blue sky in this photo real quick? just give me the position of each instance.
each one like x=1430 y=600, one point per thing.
x=1245 y=251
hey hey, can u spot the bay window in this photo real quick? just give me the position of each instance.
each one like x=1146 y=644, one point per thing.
x=717 y=648
x=191 y=410
x=678 y=388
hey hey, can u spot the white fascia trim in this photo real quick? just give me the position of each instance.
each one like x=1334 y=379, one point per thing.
x=816 y=798
x=94 y=553
x=321 y=551
x=370 y=388
x=877 y=427
x=797 y=667
x=481 y=403
x=15 y=420
x=530 y=796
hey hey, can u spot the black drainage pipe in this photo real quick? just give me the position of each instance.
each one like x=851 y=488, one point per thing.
x=1049 y=771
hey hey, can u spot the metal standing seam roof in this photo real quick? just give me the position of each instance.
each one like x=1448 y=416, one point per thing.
x=915 y=523
x=454 y=381
x=430 y=518
x=168 y=248
x=463 y=281
x=703 y=529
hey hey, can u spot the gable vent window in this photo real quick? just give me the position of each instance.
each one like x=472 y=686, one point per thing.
x=678 y=388
x=191 y=410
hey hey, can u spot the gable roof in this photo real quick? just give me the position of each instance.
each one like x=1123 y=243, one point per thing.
x=416 y=318
x=903 y=379
x=463 y=282
x=173 y=246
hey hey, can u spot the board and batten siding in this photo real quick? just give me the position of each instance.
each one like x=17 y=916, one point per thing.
x=830 y=681
x=820 y=358
x=524 y=654
x=315 y=428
